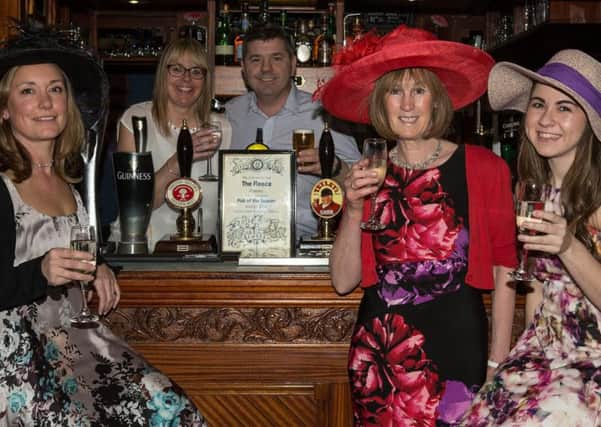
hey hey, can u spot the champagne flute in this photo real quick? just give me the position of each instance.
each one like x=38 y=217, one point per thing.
x=376 y=151
x=83 y=238
x=529 y=197
x=216 y=134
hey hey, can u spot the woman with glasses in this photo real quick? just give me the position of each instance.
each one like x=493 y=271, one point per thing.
x=182 y=91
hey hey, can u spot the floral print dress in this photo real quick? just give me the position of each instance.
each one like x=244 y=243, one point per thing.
x=418 y=352
x=52 y=374
x=552 y=377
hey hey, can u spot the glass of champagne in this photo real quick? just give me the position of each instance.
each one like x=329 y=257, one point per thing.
x=83 y=238
x=530 y=196
x=375 y=149
x=303 y=139
x=216 y=134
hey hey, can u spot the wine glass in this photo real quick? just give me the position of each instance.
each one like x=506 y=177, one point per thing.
x=216 y=133
x=83 y=238
x=529 y=197
x=376 y=151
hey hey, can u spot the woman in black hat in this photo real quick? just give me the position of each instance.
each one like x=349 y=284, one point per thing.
x=49 y=370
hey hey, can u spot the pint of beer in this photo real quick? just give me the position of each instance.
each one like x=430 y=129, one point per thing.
x=303 y=139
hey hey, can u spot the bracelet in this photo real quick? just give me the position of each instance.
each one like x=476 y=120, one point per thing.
x=492 y=364
x=338 y=167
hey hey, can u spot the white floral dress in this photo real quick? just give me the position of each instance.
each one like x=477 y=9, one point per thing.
x=52 y=374
x=553 y=375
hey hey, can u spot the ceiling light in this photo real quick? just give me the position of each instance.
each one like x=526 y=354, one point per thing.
x=133 y=1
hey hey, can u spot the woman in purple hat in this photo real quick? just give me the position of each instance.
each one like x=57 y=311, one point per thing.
x=552 y=377
x=418 y=353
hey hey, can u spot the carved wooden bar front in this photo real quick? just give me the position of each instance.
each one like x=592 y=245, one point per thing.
x=251 y=346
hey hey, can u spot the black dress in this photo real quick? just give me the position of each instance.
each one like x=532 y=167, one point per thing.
x=418 y=351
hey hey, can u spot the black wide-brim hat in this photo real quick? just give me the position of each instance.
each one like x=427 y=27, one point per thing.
x=88 y=80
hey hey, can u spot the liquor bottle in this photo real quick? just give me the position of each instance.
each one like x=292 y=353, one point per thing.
x=258 y=143
x=317 y=39
x=184 y=150
x=304 y=49
x=356 y=31
x=325 y=45
x=244 y=27
x=194 y=31
x=327 y=152
x=224 y=49
x=332 y=21
x=284 y=20
x=509 y=142
x=264 y=12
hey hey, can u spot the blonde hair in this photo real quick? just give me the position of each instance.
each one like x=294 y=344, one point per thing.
x=172 y=52
x=442 y=108
x=67 y=146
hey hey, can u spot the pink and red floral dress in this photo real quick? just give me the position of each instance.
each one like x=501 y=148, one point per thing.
x=552 y=376
x=418 y=352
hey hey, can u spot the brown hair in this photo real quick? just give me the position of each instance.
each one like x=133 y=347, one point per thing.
x=442 y=108
x=172 y=52
x=67 y=146
x=580 y=188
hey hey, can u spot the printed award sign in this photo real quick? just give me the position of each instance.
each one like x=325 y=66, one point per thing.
x=257 y=200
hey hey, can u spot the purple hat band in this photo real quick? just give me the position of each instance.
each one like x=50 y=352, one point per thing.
x=575 y=81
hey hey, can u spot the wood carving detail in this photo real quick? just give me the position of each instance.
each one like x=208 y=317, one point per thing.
x=233 y=325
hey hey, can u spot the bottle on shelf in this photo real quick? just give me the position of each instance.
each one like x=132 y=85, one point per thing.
x=304 y=47
x=284 y=20
x=224 y=48
x=264 y=12
x=258 y=143
x=510 y=131
x=244 y=27
x=357 y=31
x=332 y=20
x=324 y=45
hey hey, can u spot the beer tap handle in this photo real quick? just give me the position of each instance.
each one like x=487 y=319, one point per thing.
x=327 y=152
x=184 y=151
x=140 y=133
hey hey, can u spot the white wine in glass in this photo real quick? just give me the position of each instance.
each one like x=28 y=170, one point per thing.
x=376 y=151
x=83 y=238
x=530 y=196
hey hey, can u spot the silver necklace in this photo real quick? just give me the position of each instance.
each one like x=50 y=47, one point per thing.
x=177 y=129
x=396 y=159
x=42 y=165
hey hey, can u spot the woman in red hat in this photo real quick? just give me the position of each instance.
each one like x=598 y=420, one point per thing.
x=552 y=377
x=418 y=353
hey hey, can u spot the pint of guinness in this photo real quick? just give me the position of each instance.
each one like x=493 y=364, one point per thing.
x=134 y=178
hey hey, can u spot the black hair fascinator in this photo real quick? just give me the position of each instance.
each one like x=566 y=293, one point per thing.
x=35 y=44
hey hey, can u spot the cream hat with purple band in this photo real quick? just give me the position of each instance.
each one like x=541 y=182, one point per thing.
x=571 y=71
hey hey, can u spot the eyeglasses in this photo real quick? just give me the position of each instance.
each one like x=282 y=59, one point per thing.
x=178 y=70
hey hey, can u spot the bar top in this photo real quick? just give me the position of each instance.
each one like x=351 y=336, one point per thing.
x=223 y=266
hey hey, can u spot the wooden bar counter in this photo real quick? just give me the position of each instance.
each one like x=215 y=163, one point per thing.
x=252 y=346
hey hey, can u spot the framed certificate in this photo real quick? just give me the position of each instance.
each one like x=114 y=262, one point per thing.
x=256 y=203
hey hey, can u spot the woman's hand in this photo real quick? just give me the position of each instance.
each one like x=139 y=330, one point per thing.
x=107 y=288
x=554 y=236
x=358 y=184
x=61 y=266
x=204 y=144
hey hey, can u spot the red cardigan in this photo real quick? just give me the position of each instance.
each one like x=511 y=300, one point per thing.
x=491 y=221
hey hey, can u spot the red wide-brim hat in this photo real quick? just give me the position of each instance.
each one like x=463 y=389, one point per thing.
x=462 y=69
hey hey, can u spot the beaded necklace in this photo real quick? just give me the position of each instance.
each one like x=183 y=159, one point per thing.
x=397 y=160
